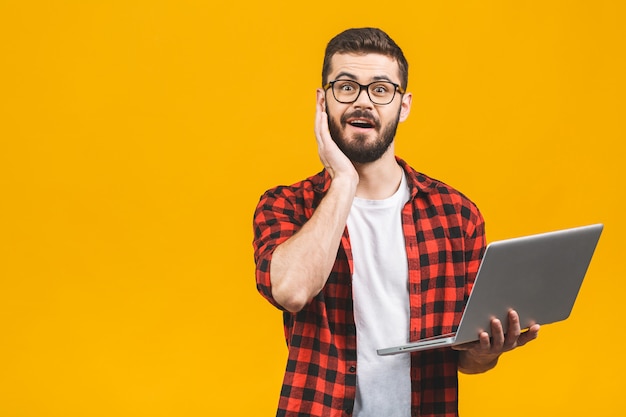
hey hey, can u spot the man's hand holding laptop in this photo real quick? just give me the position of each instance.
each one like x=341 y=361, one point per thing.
x=482 y=355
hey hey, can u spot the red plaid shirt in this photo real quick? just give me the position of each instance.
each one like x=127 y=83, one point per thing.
x=445 y=242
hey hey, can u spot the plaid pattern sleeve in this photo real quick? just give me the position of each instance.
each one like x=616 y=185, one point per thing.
x=276 y=219
x=320 y=377
x=444 y=235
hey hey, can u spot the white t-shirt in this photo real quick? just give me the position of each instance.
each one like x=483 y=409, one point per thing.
x=381 y=304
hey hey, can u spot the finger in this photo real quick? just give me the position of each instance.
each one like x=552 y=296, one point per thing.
x=321 y=120
x=497 y=335
x=482 y=344
x=322 y=134
x=529 y=335
x=318 y=123
x=513 y=332
x=484 y=341
x=321 y=125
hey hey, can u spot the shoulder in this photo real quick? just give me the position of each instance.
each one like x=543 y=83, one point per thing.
x=434 y=189
x=302 y=189
x=437 y=198
x=448 y=195
x=296 y=200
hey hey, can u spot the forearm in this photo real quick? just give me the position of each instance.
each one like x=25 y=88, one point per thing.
x=301 y=265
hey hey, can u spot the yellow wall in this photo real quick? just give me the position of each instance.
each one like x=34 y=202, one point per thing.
x=137 y=136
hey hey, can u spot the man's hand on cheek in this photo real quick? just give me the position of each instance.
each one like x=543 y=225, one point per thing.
x=336 y=162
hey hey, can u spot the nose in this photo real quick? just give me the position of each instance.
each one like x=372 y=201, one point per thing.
x=363 y=99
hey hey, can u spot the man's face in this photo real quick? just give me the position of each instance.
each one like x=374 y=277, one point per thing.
x=363 y=130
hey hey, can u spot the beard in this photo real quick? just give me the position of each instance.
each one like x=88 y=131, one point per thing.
x=359 y=149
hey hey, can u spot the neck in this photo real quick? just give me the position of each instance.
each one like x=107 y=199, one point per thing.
x=379 y=179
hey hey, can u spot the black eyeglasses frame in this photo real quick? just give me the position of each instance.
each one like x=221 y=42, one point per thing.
x=397 y=87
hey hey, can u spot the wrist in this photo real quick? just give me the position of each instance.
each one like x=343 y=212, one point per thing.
x=347 y=182
x=470 y=363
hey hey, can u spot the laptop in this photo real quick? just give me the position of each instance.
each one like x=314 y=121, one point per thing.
x=538 y=276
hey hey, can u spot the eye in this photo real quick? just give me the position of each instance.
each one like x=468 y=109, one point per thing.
x=345 y=86
x=380 y=89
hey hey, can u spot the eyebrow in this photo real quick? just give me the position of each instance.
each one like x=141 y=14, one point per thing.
x=354 y=77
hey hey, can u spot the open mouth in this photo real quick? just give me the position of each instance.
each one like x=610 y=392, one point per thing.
x=361 y=123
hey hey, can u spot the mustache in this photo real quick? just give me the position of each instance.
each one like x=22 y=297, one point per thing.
x=360 y=114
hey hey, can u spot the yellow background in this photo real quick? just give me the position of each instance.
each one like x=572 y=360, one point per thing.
x=137 y=136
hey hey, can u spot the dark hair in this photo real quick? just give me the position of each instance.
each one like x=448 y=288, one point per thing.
x=364 y=41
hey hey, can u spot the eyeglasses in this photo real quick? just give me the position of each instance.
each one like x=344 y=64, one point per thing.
x=379 y=92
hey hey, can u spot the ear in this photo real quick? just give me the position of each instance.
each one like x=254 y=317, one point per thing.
x=405 y=106
x=321 y=99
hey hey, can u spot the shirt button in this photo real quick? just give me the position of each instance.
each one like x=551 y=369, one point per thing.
x=352 y=369
x=348 y=411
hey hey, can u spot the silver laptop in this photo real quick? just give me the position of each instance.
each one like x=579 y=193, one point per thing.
x=538 y=276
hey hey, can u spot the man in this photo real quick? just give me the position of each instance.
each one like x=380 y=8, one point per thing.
x=370 y=253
